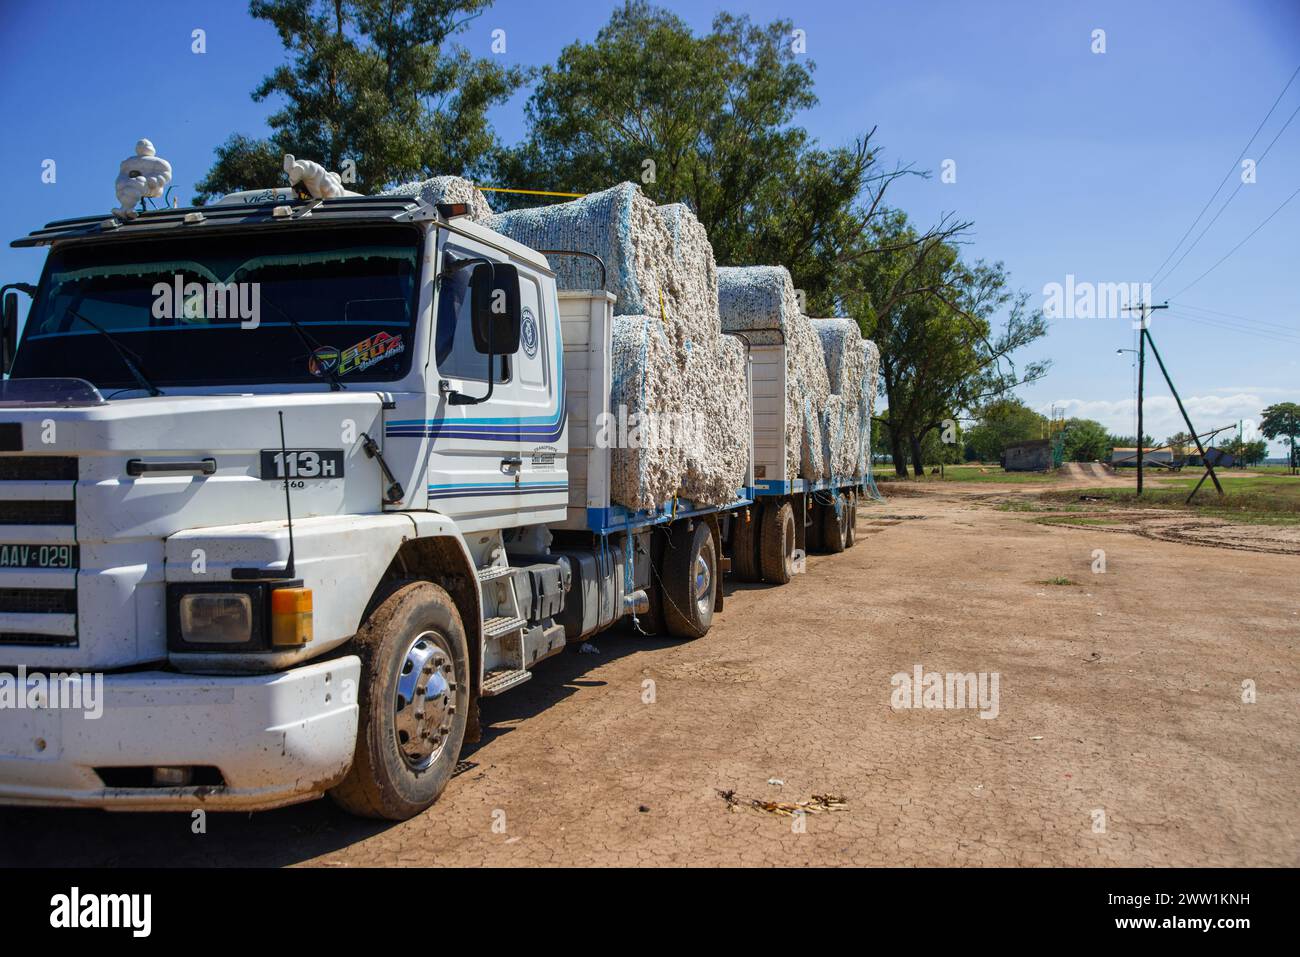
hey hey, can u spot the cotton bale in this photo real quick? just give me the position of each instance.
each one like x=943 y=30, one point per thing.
x=446 y=189
x=647 y=404
x=760 y=303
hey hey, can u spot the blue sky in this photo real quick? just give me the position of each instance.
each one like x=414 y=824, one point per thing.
x=1069 y=162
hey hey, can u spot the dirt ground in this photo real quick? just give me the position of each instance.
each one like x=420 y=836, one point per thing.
x=1121 y=737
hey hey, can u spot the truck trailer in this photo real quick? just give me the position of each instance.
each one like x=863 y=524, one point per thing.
x=300 y=481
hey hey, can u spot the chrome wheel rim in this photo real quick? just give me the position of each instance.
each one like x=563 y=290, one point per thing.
x=424 y=701
x=704 y=579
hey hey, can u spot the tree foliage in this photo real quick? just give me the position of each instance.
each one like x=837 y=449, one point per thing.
x=373 y=82
x=948 y=330
x=1086 y=440
x=1002 y=422
x=709 y=121
x=1282 y=421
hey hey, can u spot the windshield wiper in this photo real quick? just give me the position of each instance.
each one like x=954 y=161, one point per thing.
x=122 y=351
x=310 y=342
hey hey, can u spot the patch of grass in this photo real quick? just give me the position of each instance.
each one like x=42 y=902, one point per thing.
x=1022 y=505
x=1058 y=580
x=976 y=473
x=1266 y=500
x=1072 y=520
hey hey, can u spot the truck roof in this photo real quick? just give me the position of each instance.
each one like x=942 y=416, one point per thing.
x=271 y=214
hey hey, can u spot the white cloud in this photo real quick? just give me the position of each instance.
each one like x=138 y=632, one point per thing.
x=1160 y=416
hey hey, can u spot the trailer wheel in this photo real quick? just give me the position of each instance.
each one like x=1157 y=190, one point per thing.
x=744 y=545
x=851 y=532
x=690 y=580
x=776 y=554
x=835 y=526
x=414 y=702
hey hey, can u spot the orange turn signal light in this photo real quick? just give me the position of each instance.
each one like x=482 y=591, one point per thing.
x=290 y=617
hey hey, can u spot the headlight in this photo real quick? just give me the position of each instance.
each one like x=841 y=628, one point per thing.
x=216 y=619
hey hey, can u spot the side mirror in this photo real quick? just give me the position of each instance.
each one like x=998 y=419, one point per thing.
x=9 y=332
x=494 y=291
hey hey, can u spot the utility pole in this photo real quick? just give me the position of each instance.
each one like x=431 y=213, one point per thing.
x=1143 y=310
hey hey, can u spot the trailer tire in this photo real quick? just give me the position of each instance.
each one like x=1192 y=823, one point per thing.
x=690 y=580
x=412 y=639
x=776 y=553
x=835 y=526
x=744 y=545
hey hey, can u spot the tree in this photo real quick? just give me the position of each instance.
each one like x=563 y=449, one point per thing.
x=933 y=317
x=374 y=90
x=708 y=121
x=1282 y=420
x=1003 y=422
x=1086 y=441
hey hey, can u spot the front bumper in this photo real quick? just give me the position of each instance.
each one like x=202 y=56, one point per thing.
x=276 y=739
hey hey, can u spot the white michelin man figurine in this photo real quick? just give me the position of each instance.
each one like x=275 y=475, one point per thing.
x=144 y=174
x=312 y=179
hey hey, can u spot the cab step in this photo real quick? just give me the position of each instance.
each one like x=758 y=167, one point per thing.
x=492 y=572
x=495 y=682
x=503 y=625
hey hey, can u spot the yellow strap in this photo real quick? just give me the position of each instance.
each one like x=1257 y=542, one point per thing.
x=529 y=192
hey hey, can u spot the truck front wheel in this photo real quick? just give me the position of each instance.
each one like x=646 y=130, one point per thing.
x=690 y=580
x=413 y=702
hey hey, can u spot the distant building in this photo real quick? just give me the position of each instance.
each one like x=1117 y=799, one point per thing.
x=1032 y=456
x=1128 y=458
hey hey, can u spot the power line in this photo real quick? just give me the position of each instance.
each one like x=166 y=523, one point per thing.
x=1238 y=246
x=1231 y=197
x=1284 y=327
x=1228 y=175
x=1242 y=330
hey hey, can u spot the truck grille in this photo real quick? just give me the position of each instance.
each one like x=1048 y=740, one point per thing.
x=38 y=601
x=38 y=468
x=38 y=515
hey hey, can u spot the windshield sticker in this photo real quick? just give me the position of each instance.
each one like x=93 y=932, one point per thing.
x=357 y=358
x=323 y=361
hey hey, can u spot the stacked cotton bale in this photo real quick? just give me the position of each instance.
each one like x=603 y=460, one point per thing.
x=713 y=367
x=660 y=264
x=446 y=189
x=648 y=458
x=846 y=368
x=759 y=302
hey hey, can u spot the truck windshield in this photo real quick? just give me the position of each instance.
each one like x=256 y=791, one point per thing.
x=217 y=310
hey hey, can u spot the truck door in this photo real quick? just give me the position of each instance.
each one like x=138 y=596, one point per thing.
x=498 y=463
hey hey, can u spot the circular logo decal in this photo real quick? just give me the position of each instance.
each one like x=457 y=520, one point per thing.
x=323 y=360
x=528 y=334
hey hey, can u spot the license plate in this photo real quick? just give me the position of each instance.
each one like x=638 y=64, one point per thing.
x=315 y=464
x=38 y=556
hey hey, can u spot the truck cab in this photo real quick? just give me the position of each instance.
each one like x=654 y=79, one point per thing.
x=261 y=464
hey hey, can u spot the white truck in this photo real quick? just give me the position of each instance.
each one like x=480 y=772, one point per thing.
x=256 y=479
